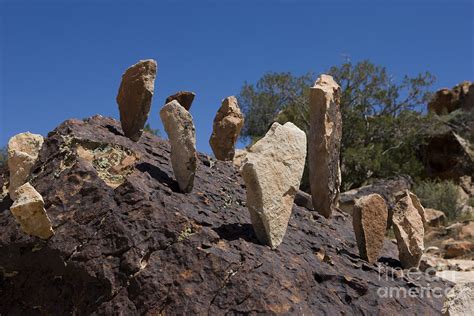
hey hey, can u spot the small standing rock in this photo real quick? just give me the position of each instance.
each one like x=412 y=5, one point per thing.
x=226 y=129
x=29 y=211
x=23 y=150
x=324 y=142
x=134 y=97
x=370 y=221
x=185 y=98
x=178 y=124
x=409 y=232
x=272 y=172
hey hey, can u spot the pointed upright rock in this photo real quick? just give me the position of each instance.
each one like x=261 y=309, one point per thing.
x=179 y=126
x=226 y=129
x=23 y=150
x=324 y=142
x=272 y=172
x=134 y=97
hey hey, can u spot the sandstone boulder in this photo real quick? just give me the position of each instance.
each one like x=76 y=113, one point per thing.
x=239 y=157
x=409 y=232
x=448 y=100
x=179 y=126
x=434 y=218
x=226 y=129
x=324 y=141
x=29 y=211
x=370 y=221
x=134 y=97
x=456 y=249
x=23 y=152
x=185 y=98
x=417 y=204
x=459 y=300
x=272 y=173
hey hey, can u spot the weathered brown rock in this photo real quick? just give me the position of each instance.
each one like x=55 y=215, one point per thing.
x=434 y=218
x=447 y=100
x=456 y=249
x=409 y=232
x=28 y=210
x=134 y=97
x=370 y=221
x=324 y=141
x=459 y=300
x=185 y=98
x=179 y=126
x=304 y=199
x=226 y=129
x=272 y=172
x=23 y=151
x=421 y=210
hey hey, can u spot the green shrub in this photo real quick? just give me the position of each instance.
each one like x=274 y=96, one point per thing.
x=440 y=195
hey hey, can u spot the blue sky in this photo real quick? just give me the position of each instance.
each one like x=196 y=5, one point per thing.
x=64 y=59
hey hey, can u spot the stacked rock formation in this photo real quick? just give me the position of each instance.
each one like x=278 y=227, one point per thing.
x=272 y=172
x=447 y=100
x=226 y=129
x=179 y=126
x=185 y=98
x=324 y=144
x=370 y=221
x=409 y=231
x=23 y=152
x=134 y=97
x=29 y=211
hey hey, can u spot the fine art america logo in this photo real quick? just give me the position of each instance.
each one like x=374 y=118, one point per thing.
x=420 y=284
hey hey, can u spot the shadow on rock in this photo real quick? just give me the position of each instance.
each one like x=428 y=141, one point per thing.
x=235 y=231
x=159 y=175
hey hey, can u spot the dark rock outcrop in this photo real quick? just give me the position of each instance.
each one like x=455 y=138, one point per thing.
x=447 y=100
x=141 y=247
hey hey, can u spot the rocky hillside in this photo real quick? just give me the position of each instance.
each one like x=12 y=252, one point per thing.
x=127 y=241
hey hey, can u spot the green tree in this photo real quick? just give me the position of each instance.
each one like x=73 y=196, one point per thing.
x=383 y=122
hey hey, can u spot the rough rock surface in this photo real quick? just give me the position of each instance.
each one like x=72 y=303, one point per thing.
x=409 y=232
x=460 y=300
x=239 y=157
x=179 y=126
x=134 y=97
x=370 y=222
x=304 y=199
x=324 y=142
x=434 y=218
x=448 y=100
x=226 y=129
x=272 y=172
x=144 y=247
x=185 y=98
x=28 y=209
x=23 y=151
x=417 y=204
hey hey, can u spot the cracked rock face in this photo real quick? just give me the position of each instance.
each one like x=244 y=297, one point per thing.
x=143 y=247
x=324 y=142
x=226 y=129
x=23 y=151
x=179 y=126
x=185 y=98
x=370 y=222
x=134 y=97
x=272 y=172
x=409 y=231
x=460 y=300
x=28 y=210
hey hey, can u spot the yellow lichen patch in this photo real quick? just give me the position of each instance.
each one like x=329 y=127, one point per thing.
x=112 y=162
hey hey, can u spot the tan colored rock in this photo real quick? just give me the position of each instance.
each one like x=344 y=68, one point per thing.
x=370 y=222
x=239 y=157
x=324 y=141
x=185 y=98
x=456 y=249
x=226 y=129
x=459 y=300
x=448 y=100
x=409 y=232
x=23 y=150
x=467 y=231
x=179 y=126
x=29 y=211
x=417 y=204
x=434 y=218
x=134 y=97
x=272 y=173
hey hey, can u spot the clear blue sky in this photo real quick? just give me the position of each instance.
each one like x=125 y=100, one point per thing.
x=64 y=59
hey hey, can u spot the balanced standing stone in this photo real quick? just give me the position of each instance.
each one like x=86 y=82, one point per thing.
x=178 y=124
x=370 y=221
x=226 y=129
x=29 y=211
x=324 y=144
x=23 y=150
x=272 y=172
x=134 y=97
x=185 y=98
x=409 y=232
